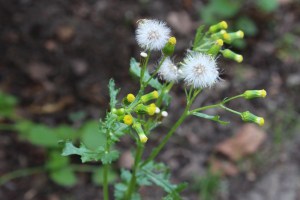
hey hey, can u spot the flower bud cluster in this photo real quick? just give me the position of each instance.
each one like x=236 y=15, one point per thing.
x=134 y=106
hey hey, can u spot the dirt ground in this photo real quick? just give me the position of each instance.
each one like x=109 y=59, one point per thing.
x=67 y=50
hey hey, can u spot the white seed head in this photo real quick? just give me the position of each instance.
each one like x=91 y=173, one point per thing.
x=169 y=71
x=164 y=113
x=152 y=34
x=199 y=70
x=144 y=54
x=157 y=110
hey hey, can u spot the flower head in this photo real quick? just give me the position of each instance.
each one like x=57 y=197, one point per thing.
x=152 y=34
x=199 y=70
x=169 y=71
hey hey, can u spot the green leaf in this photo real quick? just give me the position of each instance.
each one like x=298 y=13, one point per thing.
x=199 y=36
x=65 y=132
x=42 y=135
x=210 y=117
x=159 y=175
x=267 y=5
x=91 y=136
x=120 y=190
x=247 y=25
x=64 y=177
x=90 y=155
x=113 y=92
x=135 y=70
x=85 y=153
x=97 y=177
x=7 y=104
x=56 y=161
x=108 y=157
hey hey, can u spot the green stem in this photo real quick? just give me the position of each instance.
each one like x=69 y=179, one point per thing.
x=105 y=182
x=7 y=127
x=191 y=98
x=143 y=69
x=21 y=173
x=157 y=69
x=137 y=160
x=230 y=110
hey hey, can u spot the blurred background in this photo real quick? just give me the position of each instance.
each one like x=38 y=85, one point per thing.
x=56 y=58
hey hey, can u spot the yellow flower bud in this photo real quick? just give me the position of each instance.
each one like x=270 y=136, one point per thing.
x=218 y=26
x=249 y=117
x=128 y=119
x=172 y=40
x=130 y=98
x=231 y=55
x=251 y=94
x=150 y=96
x=151 y=109
x=169 y=48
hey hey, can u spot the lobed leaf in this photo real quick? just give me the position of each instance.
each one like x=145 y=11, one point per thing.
x=113 y=92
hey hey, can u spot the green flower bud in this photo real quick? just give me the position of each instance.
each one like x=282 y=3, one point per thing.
x=138 y=128
x=150 y=96
x=231 y=55
x=249 y=117
x=169 y=48
x=218 y=26
x=229 y=37
x=214 y=50
x=145 y=109
x=218 y=35
x=251 y=94
x=120 y=111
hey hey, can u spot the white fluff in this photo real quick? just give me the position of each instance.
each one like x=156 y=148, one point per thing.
x=199 y=70
x=169 y=71
x=152 y=34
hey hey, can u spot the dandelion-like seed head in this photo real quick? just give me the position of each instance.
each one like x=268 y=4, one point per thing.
x=152 y=34
x=169 y=71
x=199 y=70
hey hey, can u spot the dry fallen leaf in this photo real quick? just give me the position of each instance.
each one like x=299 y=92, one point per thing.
x=247 y=141
x=223 y=167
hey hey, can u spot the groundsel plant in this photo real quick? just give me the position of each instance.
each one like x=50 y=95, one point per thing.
x=137 y=115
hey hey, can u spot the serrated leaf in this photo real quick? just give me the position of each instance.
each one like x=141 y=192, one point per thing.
x=85 y=153
x=113 y=92
x=136 y=71
x=198 y=37
x=97 y=176
x=159 y=175
x=125 y=175
x=210 y=117
x=90 y=155
x=64 y=177
x=120 y=190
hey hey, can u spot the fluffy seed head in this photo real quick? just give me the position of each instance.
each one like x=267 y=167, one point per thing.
x=199 y=70
x=152 y=34
x=169 y=71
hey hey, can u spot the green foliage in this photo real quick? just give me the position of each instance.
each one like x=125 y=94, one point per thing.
x=64 y=176
x=217 y=10
x=135 y=70
x=267 y=5
x=159 y=174
x=199 y=36
x=215 y=118
x=90 y=155
x=97 y=176
x=113 y=92
x=209 y=185
x=7 y=105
